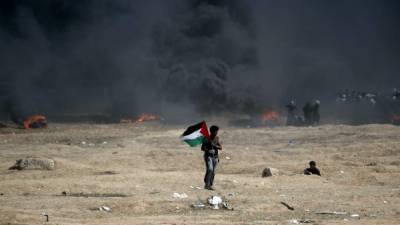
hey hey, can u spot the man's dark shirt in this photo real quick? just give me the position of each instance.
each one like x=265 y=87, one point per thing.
x=312 y=170
x=210 y=148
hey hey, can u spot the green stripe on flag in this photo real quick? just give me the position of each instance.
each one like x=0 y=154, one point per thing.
x=195 y=142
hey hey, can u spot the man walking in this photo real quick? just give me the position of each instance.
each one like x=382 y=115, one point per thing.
x=315 y=113
x=211 y=147
x=307 y=110
x=291 y=117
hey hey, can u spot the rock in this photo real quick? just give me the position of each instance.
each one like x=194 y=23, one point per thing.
x=34 y=164
x=269 y=172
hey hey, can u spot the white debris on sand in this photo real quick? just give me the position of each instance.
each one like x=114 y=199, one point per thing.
x=105 y=209
x=178 y=195
x=218 y=202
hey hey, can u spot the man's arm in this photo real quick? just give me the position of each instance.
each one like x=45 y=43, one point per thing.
x=217 y=144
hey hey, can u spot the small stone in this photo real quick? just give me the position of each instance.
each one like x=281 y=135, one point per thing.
x=198 y=205
x=269 y=172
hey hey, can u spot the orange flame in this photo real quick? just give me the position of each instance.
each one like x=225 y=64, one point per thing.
x=146 y=117
x=269 y=116
x=141 y=118
x=35 y=121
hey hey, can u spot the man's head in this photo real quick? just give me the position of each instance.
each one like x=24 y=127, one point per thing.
x=214 y=130
x=312 y=164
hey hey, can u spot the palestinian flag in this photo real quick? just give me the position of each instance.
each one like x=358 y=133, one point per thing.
x=196 y=134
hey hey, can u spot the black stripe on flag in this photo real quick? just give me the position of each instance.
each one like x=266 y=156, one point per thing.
x=193 y=128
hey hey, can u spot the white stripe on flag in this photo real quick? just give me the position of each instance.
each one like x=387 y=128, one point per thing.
x=192 y=136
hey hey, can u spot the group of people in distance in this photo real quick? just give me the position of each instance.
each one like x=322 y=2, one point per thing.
x=311 y=115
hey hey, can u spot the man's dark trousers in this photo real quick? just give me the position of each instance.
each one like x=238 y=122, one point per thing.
x=211 y=167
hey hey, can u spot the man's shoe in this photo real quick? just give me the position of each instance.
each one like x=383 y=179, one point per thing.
x=210 y=188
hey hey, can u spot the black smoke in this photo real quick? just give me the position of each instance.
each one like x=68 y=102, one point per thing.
x=120 y=58
x=67 y=57
x=200 y=48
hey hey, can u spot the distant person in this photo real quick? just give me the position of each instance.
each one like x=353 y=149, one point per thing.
x=307 y=111
x=211 y=148
x=315 y=116
x=312 y=169
x=291 y=117
x=396 y=94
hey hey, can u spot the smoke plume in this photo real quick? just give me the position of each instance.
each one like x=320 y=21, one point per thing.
x=180 y=58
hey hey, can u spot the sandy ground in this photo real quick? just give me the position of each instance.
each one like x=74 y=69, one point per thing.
x=147 y=163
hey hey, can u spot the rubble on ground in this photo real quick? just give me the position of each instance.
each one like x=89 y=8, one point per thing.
x=213 y=202
x=34 y=164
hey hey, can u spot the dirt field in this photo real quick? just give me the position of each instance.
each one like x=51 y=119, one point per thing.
x=135 y=168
